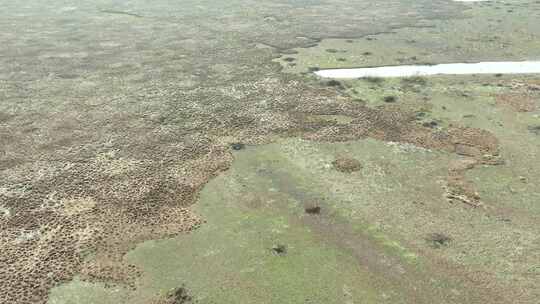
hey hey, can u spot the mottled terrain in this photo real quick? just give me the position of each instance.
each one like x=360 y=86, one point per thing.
x=177 y=152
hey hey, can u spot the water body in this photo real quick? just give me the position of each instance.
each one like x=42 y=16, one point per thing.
x=506 y=67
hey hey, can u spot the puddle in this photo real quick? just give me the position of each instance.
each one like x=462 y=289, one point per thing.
x=507 y=67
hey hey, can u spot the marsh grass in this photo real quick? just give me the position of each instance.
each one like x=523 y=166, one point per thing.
x=414 y=80
x=372 y=79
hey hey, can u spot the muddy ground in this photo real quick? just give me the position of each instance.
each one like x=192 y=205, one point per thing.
x=184 y=153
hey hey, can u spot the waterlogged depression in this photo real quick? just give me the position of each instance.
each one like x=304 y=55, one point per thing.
x=179 y=152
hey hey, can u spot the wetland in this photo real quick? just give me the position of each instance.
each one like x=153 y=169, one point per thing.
x=190 y=152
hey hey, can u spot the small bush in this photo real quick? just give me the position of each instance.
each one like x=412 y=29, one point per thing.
x=279 y=249
x=437 y=240
x=313 y=210
x=390 y=99
x=335 y=83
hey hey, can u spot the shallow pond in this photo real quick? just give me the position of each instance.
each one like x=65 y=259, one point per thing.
x=508 y=67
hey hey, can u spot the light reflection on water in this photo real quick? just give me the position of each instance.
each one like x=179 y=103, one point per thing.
x=504 y=67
